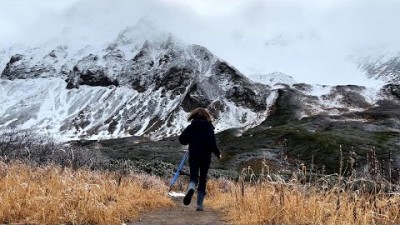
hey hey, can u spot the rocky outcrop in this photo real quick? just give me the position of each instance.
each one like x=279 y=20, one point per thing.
x=36 y=63
x=95 y=77
x=286 y=109
x=348 y=95
x=393 y=90
x=19 y=68
x=88 y=72
x=196 y=97
x=175 y=80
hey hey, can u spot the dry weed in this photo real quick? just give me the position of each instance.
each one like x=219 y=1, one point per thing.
x=53 y=195
x=288 y=203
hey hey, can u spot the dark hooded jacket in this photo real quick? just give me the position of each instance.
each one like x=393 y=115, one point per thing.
x=201 y=139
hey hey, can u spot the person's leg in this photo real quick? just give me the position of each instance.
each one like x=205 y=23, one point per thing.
x=201 y=190
x=200 y=200
x=194 y=171
x=194 y=176
x=203 y=178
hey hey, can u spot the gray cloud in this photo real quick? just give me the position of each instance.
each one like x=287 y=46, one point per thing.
x=311 y=40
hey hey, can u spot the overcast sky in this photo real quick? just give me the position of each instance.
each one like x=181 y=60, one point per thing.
x=314 y=41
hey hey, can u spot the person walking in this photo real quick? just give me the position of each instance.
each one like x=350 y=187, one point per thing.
x=200 y=137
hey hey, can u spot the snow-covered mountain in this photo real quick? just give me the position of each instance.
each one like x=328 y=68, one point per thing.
x=144 y=83
x=384 y=67
x=132 y=86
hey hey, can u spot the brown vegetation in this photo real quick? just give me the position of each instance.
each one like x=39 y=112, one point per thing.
x=56 y=195
x=294 y=203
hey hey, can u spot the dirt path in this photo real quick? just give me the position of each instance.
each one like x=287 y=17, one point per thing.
x=180 y=215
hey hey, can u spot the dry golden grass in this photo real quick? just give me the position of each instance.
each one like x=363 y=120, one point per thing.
x=52 y=195
x=280 y=203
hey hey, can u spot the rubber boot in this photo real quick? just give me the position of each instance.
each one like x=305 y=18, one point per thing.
x=190 y=191
x=200 y=200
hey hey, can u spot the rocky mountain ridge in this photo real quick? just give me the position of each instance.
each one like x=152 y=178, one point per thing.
x=144 y=85
x=107 y=94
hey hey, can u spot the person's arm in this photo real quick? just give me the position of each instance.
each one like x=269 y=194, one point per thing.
x=183 y=138
x=213 y=143
x=217 y=152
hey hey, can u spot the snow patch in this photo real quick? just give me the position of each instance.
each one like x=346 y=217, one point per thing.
x=272 y=78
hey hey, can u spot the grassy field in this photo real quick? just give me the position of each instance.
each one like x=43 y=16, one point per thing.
x=293 y=203
x=53 y=195
x=56 y=195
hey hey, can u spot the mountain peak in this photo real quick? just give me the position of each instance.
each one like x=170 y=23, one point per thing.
x=272 y=79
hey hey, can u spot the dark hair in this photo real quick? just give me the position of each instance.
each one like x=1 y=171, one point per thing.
x=200 y=113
